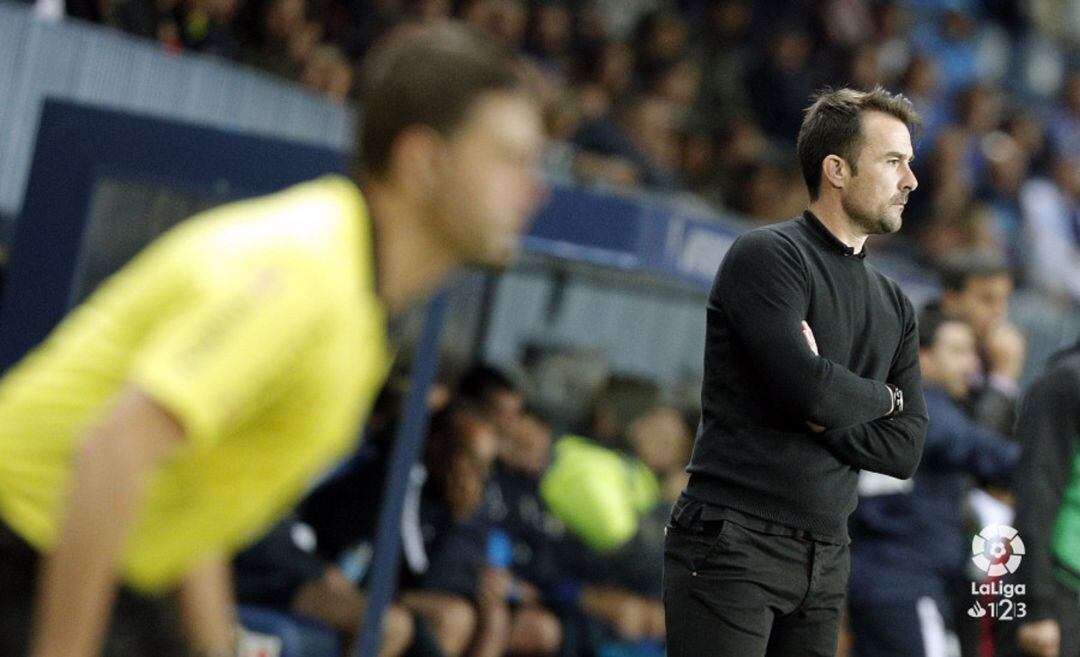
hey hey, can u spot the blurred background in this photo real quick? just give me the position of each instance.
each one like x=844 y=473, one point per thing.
x=566 y=400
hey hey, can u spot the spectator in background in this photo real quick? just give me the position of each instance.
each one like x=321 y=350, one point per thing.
x=1051 y=216
x=609 y=502
x=642 y=132
x=909 y=544
x=660 y=439
x=1048 y=513
x=893 y=20
x=949 y=39
x=446 y=579
x=919 y=82
x=780 y=84
x=1006 y=168
x=1063 y=121
x=493 y=390
x=327 y=72
x=724 y=52
x=974 y=227
x=281 y=571
x=976 y=288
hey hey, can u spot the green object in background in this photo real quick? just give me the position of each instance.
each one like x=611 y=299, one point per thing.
x=1065 y=542
x=598 y=493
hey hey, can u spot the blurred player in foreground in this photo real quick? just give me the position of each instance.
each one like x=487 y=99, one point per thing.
x=187 y=404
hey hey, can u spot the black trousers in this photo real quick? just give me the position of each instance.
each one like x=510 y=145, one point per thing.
x=139 y=626
x=736 y=591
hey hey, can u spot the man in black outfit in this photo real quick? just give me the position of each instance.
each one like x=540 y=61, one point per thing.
x=811 y=375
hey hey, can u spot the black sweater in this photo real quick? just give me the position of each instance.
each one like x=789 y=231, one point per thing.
x=754 y=452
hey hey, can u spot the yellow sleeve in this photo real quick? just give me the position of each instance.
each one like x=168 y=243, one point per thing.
x=220 y=359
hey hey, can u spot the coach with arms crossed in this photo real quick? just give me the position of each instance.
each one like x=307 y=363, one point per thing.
x=811 y=375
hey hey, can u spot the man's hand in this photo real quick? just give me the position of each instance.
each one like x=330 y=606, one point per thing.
x=1042 y=638
x=1004 y=346
x=493 y=586
x=809 y=335
x=78 y=575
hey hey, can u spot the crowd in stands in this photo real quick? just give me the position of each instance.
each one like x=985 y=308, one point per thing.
x=703 y=98
x=529 y=535
x=517 y=538
x=525 y=534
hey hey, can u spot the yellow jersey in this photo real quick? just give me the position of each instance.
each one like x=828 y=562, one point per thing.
x=257 y=326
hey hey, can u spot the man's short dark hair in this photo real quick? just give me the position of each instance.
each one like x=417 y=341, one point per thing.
x=957 y=270
x=482 y=380
x=833 y=126
x=931 y=319
x=427 y=75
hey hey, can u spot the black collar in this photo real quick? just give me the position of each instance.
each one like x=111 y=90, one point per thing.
x=830 y=239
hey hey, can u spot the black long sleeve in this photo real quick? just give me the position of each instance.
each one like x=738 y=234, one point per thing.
x=764 y=289
x=893 y=445
x=1047 y=425
x=754 y=451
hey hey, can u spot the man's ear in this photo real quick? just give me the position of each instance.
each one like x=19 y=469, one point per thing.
x=835 y=172
x=415 y=159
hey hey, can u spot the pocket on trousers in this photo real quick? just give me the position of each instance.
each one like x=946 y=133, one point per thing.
x=693 y=548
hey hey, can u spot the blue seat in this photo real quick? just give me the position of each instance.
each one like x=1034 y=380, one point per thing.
x=300 y=637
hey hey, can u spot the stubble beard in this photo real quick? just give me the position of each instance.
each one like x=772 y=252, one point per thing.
x=877 y=221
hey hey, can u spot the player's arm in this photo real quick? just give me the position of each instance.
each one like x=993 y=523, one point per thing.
x=890 y=445
x=78 y=577
x=763 y=288
x=208 y=609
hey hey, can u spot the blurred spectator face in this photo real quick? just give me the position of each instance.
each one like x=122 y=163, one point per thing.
x=952 y=360
x=430 y=10
x=660 y=439
x=616 y=72
x=791 y=50
x=506 y=411
x=1007 y=163
x=982 y=303
x=505 y=19
x=880 y=182
x=679 y=84
x=743 y=142
x=483 y=184
x=554 y=28
x=921 y=78
x=304 y=40
x=664 y=36
x=730 y=18
x=283 y=18
x=328 y=72
x=652 y=125
x=529 y=447
x=980 y=108
x=1066 y=175
x=864 y=71
x=1072 y=92
x=957 y=26
x=893 y=20
x=1028 y=132
x=508 y=21
x=470 y=466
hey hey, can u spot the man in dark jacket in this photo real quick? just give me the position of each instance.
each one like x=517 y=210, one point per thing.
x=1048 y=512
x=908 y=535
